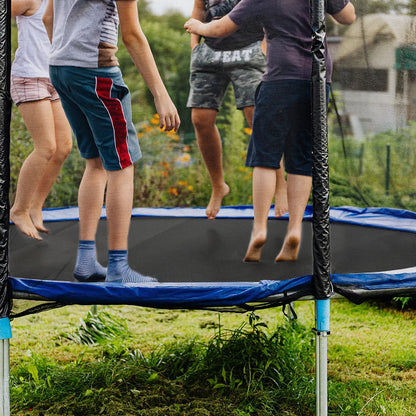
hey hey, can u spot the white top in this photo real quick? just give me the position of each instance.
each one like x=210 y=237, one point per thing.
x=32 y=55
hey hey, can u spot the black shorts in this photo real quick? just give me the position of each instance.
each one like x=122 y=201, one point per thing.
x=282 y=127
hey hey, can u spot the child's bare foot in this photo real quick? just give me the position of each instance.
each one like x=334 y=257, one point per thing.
x=280 y=203
x=290 y=249
x=215 y=202
x=37 y=221
x=25 y=225
x=255 y=246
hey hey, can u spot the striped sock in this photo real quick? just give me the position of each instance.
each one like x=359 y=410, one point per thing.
x=87 y=267
x=120 y=271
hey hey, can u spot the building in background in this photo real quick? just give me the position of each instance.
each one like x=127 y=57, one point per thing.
x=375 y=73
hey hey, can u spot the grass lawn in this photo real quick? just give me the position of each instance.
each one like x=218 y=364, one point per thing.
x=372 y=356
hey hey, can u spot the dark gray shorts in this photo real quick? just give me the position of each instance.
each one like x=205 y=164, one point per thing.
x=212 y=71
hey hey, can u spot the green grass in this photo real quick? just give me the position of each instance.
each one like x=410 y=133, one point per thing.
x=160 y=362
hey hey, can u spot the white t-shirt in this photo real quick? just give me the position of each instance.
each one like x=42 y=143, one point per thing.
x=32 y=55
x=85 y=33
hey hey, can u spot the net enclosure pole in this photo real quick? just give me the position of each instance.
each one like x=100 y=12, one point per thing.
x=5 y=289
x=320 y=195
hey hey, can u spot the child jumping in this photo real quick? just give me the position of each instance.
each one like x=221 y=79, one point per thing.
x=282 y=116
x=85 y=72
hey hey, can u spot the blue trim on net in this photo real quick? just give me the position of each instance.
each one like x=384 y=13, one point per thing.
x=389 y=218
x=5 y=328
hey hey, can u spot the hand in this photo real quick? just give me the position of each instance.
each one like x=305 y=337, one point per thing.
x=168 y=115
x=193 y=26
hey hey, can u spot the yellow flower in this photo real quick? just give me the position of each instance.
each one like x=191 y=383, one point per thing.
x=155 y=120
x=248 y=130
x=140 y=135
x=190 y=188
x=184 y=158
x=182 y=183
x=172 y=135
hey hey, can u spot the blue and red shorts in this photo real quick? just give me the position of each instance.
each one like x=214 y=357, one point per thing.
x=98 y=107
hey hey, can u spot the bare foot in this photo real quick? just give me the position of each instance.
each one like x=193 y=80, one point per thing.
x=255 y=246
x=25 y=225
x=215 y=202
x=37 y=221
x=290 y=249
x=280 y=203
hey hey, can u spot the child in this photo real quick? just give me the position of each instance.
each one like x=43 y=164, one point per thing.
x=42 y=113
x=239 y=60
x=282 y=119
x=85 y=72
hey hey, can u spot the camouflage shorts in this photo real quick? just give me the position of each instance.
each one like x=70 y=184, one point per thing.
x=212 y=71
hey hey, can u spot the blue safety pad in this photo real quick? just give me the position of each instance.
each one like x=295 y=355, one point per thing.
x=163 y=295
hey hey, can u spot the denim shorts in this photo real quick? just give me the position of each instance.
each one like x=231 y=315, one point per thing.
x=98 y=107
x=282 y=127
x=212 y=71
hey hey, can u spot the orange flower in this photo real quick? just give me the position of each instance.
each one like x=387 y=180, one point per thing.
x=155 y=120
x=190 y=188
x=173 y=191
x=248 y=130
x=182 y=183
x=184 y=158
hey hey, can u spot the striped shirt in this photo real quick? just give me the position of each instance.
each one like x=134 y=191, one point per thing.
x=85 y=33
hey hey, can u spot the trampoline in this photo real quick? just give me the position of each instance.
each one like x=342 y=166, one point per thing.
x=199 y=262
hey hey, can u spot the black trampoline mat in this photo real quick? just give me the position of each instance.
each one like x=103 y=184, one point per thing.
x=200 y=250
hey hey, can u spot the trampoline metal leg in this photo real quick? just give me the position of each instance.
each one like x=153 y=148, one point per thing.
x=322 y=332
x=5 y=377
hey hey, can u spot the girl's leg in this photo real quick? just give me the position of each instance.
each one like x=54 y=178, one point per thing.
x=38 y=118
x=298 y=191
x=264 y=185
x=63 y=140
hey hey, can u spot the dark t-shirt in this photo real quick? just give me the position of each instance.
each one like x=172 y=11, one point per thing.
x=246 y=35
x=288 y=34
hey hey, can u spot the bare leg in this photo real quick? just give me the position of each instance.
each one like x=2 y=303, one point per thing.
x=119 y=204
x=91 y=198
x=280 y=200
x=264 y=185
x=209 y=143
x=63 y=139
x=281 y=205
x=298 y=190
x=38 y=118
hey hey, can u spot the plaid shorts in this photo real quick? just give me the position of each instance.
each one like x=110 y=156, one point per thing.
x=24 y=90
